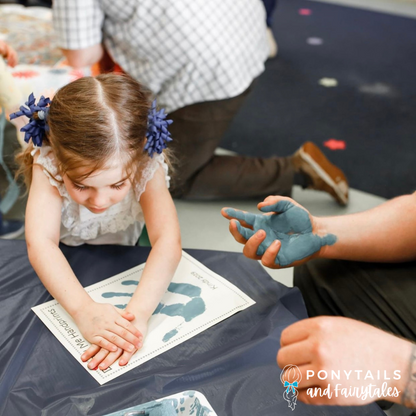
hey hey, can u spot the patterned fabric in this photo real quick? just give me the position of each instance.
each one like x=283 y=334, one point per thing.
x=185 y=51
x=120 y=224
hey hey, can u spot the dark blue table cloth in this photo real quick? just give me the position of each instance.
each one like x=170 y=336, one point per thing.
x=232 y=363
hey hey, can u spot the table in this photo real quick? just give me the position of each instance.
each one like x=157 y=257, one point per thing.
x=233 y=363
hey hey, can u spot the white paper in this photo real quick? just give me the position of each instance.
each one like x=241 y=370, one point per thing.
x=199 y=294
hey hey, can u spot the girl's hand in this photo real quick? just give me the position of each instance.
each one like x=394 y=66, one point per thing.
x=102 y=358
x=285 y=236
x=108 y=327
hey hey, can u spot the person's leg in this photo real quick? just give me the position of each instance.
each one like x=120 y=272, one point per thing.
x=269 y=5
x=380 y=294
x=197 y=131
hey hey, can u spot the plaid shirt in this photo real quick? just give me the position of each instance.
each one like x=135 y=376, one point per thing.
x=185 y=51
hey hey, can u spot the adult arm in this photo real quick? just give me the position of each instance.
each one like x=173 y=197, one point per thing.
x=382 y=234
x=8 y=53
x=78 y=27
x=80 y=58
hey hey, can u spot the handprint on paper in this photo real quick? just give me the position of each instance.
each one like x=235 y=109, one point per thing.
x=188 y=311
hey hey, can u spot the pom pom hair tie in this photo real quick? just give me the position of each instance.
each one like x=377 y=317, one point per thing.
x=157 y=134
x=37 y=126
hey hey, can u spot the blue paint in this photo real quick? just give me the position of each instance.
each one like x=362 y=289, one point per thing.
x=188 y=311
x=198 y=409
x=185 y=289
x=168 y=407
x=115 y=294
x=290 y=225
x=130 y=282
x=157 y=310
x=169 y=335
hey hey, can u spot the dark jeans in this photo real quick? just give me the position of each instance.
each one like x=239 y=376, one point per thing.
x=269 y=5
x=197 y=131
x=380 y=294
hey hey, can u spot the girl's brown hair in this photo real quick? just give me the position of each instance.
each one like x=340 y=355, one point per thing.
x=92 y=120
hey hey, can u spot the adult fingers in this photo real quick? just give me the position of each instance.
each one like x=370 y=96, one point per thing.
x=269 y=256
x=282 y=205
x=12 y=58
x=235 y=233
x=246 y=218
x=252 y=245
x=246 y=233
x=91 y=351
x=296 y=332
x=240 y=234
x=297 y=354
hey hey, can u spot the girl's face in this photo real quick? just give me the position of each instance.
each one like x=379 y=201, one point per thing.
x=100 y=190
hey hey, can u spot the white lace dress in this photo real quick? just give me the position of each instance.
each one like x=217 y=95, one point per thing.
x=120 y=224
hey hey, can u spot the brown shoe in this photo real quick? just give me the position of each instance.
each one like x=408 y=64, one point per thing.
x=324 y=176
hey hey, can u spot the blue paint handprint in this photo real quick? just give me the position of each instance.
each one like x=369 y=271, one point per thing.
x=290 y=225
x=189 y=310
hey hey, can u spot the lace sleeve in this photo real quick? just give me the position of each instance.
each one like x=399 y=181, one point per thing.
x=148 y=171
x=47 y=160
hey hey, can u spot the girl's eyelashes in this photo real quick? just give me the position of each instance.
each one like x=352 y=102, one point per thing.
x=118 y=186
x=79 y=188
x=83 y=188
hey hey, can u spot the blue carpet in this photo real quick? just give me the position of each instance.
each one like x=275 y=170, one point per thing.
x=373 y=108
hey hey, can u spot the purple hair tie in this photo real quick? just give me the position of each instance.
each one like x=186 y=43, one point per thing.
x=157 y=131
x=36 y=128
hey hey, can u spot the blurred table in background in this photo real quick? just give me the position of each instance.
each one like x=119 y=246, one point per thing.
x=42 y=67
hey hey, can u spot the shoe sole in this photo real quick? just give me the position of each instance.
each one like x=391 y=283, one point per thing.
x=337 y=188
x=14 y=234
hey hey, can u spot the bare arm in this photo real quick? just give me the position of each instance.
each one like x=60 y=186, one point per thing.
x=164 y=234
x=80 y=58
x=163 y=229
x=43 y=219
x=383 y=234
x=100 y=324
x=386 y=233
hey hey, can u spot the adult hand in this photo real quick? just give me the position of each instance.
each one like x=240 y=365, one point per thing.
x=8 y=53
x=102 y=358
x=347 y=347
x=106 y=326
x=285 y=236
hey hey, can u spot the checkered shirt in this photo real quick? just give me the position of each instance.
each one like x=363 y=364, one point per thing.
x=185 y=51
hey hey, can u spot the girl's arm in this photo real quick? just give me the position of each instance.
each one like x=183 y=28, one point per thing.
x=100 y=324
x=164 y=234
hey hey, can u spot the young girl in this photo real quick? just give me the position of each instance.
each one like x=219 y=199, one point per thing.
x=97 y=173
